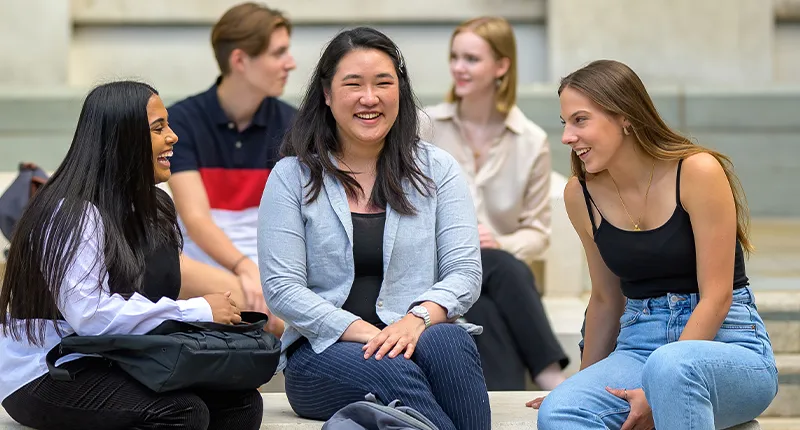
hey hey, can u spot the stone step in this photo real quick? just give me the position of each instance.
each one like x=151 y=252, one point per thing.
x=779 y=423
x=780 y=311
x=508 y=413
x=787 y=402
x=775 y=264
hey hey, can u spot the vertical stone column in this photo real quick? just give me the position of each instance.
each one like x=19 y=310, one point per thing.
x=670 y=41
x=34 y=42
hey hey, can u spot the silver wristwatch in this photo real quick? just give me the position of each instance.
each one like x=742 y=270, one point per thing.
x=420 y=311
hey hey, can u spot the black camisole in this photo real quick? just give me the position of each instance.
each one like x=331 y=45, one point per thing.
x=368 y=259
x=655 y=262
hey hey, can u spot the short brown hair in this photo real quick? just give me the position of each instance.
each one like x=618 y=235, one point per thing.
x=247 y=26
x=500 y=36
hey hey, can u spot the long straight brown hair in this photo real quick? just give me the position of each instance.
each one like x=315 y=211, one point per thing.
x=618 y=90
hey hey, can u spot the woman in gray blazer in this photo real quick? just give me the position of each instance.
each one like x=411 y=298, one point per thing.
x=368 y=247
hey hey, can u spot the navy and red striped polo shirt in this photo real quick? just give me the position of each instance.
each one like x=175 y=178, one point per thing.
x=234 y=165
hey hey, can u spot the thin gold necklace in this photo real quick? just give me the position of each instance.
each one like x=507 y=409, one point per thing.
x=638 y=221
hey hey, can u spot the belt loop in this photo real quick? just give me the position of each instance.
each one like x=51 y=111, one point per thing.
x=695 y=298
x=646 y=305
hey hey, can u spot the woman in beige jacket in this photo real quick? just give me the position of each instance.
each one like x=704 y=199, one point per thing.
x=506 y=160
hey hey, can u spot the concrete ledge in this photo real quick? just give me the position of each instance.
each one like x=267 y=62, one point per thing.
x=206 y=12
x=508 y=413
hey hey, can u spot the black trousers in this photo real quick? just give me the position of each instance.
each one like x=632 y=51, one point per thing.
x=104 y=397
x=517 y=336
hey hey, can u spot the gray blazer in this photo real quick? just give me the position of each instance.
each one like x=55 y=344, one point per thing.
x=305 y=251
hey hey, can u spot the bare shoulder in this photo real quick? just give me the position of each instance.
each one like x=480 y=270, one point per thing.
x=573 y=192
x=704 y=183
x=701 y=167
x=573 y=198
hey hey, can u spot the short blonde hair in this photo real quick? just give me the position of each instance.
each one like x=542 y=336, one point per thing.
x=497 y=32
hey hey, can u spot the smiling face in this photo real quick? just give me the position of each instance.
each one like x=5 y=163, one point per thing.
x=473 y=65
x=592 y=133
x=161 y=137
x=364 y=97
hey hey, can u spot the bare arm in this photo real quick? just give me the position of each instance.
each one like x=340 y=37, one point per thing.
x=708 y=199
x=192 y=204
x=198 y=279
x=607 y=302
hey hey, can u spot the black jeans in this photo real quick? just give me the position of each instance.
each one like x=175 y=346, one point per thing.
x=517 y=335
x=104 y=397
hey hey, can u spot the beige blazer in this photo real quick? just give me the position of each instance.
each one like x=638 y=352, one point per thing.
x=511 y=191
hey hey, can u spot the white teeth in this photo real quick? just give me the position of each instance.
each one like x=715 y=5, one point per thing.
x=371 y=115
x=165 y=154
x=582 y=151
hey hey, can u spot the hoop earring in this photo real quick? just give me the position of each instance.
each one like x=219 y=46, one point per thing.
x=625 y=130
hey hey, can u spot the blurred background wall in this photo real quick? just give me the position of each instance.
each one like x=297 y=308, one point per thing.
x=727 y=72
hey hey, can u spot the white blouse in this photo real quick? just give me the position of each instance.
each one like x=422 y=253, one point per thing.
x=89 y=311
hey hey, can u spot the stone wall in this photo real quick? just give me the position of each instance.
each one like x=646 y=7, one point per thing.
x=757 y=127
x=83 y=42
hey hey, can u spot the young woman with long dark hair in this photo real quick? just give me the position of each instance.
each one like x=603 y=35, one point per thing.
x=97 y=252
x=368 y=247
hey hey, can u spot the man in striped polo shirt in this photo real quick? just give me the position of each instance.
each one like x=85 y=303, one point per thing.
x=229 y=138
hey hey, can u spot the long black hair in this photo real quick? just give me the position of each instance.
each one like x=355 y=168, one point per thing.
x=108 y=170
x=313 y=134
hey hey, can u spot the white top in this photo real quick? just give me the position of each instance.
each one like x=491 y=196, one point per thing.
x=511 y=189
x=89 y=311
x=241 y=228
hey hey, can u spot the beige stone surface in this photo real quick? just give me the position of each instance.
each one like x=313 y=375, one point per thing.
x=34 y=42
x=303 y=11
x=508 y=413
x=677 y=41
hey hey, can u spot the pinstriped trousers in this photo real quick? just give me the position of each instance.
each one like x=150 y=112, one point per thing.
x=443 y=380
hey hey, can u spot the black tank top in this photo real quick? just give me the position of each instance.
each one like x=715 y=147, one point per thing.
x=368 y=260
x=162 y=275
x=655 y=262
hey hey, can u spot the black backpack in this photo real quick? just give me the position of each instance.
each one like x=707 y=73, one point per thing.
x=179 y=355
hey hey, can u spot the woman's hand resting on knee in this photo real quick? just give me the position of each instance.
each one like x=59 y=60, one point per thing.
x=641 y=416
x=396 y=338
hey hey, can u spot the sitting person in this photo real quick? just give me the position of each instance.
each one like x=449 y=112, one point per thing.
x=506 y=160
x=673 y=336
x=368 y=248
x=97 y=253
x=230 y=138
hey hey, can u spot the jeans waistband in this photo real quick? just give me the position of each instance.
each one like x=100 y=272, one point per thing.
x=676 y=301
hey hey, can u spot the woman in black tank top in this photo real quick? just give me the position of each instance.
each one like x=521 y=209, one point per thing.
x=673 y=338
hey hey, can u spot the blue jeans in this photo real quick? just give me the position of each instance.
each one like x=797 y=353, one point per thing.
x=443 y=380
x=689 y=384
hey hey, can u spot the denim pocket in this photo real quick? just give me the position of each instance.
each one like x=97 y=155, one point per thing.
x=629 y=317
x=741 y=329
